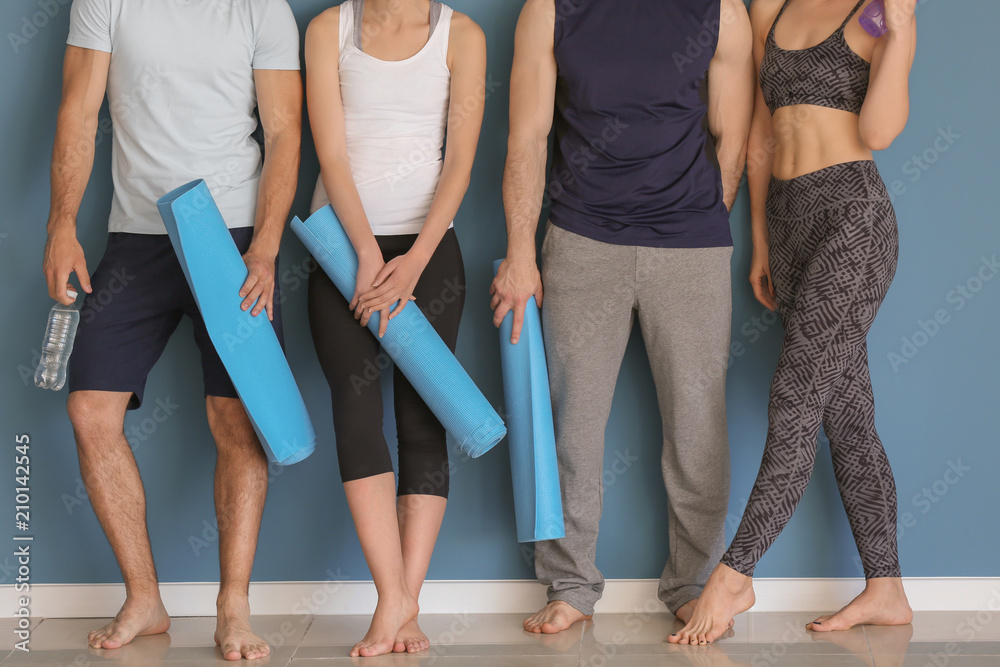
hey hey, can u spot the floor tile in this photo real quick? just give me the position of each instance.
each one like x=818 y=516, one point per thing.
x=7 y=637
x=140 y=653
x=539 y=648
x=961 y=626
x=722 y=659
x=935 y=661
x=400 y=660
x=949 y=639
x=335 y=630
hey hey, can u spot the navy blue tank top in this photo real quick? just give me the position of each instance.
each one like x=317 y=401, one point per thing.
x=634 y=163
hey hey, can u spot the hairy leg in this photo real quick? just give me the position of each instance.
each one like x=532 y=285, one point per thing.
x=115 y=491
x=240 y=490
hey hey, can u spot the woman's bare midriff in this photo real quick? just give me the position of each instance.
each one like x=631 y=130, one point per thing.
x=809 y=138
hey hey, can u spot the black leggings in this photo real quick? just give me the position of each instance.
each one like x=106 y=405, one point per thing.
x=352 y=362
x=833 y=250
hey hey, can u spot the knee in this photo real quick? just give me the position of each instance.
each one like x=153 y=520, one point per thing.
x=424 y=469
x=96 y=414
x=230 y=424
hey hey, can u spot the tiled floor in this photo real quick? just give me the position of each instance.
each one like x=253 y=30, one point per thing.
x=939 y=639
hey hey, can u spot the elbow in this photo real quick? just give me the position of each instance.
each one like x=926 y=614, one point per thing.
x=877 y=136
x=878 y=141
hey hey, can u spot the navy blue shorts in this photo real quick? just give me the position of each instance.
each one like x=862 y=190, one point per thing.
x=139 y=296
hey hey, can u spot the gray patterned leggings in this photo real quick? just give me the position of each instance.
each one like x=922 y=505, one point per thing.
x=833 y=250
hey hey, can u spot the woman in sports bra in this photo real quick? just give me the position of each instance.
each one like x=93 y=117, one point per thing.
x=825 y=248
x=387 y=82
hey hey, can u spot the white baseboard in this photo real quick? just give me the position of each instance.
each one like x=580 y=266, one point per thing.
x=478 y=597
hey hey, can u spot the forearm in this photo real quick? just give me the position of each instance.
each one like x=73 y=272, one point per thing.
x=278 y=181
x=761 y=161
x=887 y=105
x=732 y=154
x=523 y=189
x=343 y=193
x=72 y=163
x=452 y=186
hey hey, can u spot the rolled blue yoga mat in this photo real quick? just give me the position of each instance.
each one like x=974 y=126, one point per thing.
x=247 y=345
x=530 y=432
x=411 y=341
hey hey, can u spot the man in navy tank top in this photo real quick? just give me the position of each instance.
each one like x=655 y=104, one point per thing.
x=651 y=103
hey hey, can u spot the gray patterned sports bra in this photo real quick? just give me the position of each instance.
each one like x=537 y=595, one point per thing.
x=829 y=74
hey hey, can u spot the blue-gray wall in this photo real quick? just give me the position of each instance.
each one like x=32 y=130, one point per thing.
x=937 y=403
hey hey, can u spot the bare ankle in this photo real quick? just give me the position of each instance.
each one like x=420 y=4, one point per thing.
x=233 y=603
x=143 y=592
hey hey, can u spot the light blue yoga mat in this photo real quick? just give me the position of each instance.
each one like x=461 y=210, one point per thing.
x=411 y=341
x=247 y=345
x=530 y=433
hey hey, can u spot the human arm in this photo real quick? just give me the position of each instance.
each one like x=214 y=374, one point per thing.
x=731 y=95
x=887 y=104
x=279 y=100
x=760 y=160
x=85 y=77
x=532 y=104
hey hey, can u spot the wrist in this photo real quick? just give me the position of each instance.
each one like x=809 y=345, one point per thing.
x=61 y=224
x=369 y=251
x=420 y=253
x=521 y=253
x=267 y=251
x=901 y=33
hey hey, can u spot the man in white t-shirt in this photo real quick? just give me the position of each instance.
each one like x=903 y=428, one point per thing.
x=183 y=80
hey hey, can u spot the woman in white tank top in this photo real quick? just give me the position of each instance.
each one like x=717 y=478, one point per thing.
x=387 y=81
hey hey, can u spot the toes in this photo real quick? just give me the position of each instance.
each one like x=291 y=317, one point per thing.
x=399 y=647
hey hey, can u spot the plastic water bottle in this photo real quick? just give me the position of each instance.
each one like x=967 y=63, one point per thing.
x=873 y=19
x=58 y=345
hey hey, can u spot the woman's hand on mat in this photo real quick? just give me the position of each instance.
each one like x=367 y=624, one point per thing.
x=63 y=256
x=393 y=284
x=516 y=282
x=760 y=279
x=259 y=286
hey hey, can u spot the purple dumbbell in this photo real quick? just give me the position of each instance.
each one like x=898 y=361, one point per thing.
x=873 y=19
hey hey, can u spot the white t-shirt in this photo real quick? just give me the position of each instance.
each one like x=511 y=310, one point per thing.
x=182 y=97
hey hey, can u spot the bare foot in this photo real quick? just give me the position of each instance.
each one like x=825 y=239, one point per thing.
x=726 y=594
x=138 y=616
x=883 y=602
x=233 y=634
x=686 y=611
x=554 y=617
x=387 y=622
x=410 y=639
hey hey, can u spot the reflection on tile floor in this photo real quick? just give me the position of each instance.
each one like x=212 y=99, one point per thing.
x=935 y=639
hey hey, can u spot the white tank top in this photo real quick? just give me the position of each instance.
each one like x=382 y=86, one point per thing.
x=396 y=115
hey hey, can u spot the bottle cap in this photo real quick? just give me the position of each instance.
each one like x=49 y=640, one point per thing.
x=72 y=294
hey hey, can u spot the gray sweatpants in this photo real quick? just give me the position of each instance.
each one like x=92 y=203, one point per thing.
x=593 y=292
